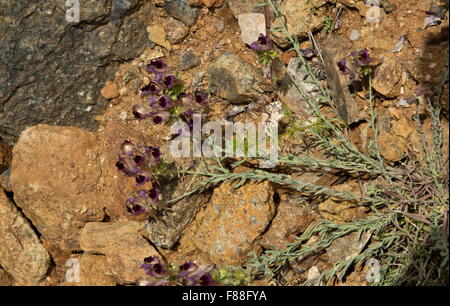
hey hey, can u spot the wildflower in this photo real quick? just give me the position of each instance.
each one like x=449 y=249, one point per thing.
x=342 y=65
x=168 y=81
x=200 y=98
x=143 y=177
x=362 y=57
x=153 y=267
x=127 y=167
x=200 y=278
x=160 y=117
x=162 y=103
x=141 y=112
x=156 y=66
x=152 y=88
x=153 y=154
x=262 y=44
x=187 y=269
x=135 y=206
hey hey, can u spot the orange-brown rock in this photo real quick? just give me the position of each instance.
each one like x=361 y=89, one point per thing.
x=342 y=211
x=290 y=219
x=234 y=220
x=5 y=278
x=110 y=90
x=124 y=247
x=94 y=271
x=54 y=174
x=21 y=253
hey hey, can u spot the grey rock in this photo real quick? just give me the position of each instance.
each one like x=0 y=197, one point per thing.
x=181 y=10
x=290 y=95
x=166 y=232
x=52 y=70
x=232 y=78
x=335 y=49
x=188 y=60
x=347 y=247
x=176 y=31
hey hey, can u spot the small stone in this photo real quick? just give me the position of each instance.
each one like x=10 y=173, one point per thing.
x=289 y=220
x=299 y=19
x=157 y=34
x=233 y=221
x=110 y=90
x=232 y=78
x=313 y=273
x=181 y=10
x=387 y=76
x=220 y=26
x=355 y=35
x=176 y=31
x=342 y=211
x=188 y=60
x=252 y=25
x=347 y=247
x=124 y=247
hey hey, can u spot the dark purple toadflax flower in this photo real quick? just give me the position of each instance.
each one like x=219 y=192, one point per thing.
x=156 y=66
x=262 y=44
x=362 y=57
x=153 y=267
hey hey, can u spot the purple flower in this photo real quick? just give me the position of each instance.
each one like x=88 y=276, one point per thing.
x=135 y=206
x=160 y=117
x=152 y=88
x=185 y=99
x=362 y=58
x=309 y=52
x=127 y=148
x=143 y=177
x=200 y=98
x=141 y=112
x=153 y=154
x=187 y=269
x=342 y=65
x=156 y=66
x=153 y=267
x=262 y=44
x=200 y=278
x=126 y=166
x=162 y=103
x=168 y=81
x=159 y=282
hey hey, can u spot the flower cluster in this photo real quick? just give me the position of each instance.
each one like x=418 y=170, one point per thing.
x=188 y=274
x=359 y=64
x=143 y=163
x=165 y=96
x=264 y=49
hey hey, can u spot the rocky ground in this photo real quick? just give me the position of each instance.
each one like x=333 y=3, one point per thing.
x=66 y=106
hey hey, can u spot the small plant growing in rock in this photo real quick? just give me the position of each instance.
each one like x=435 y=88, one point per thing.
x=189 y=274
x=145 y=165
x=356 y=64
x=264 y=49
x=166 y=97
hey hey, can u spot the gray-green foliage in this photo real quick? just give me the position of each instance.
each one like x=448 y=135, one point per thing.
x=409 y=202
